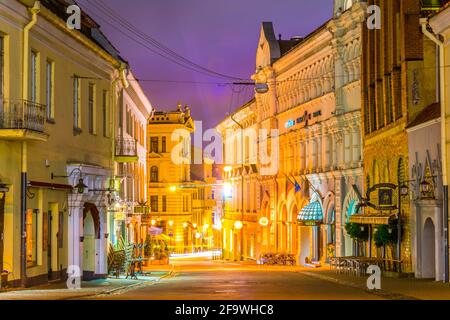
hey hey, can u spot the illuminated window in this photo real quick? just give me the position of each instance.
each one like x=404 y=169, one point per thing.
x=2 y=63
x=105 y=113
x=31 y=236
x=154 y=173
x=154 y=203
x=33 y=76
x=91 y=108
x=76 y=103
x=164 y=203
x=154 y=144
x=50 y=91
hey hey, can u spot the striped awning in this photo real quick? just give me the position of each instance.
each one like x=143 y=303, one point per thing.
x=372 y=218
x=311 y=215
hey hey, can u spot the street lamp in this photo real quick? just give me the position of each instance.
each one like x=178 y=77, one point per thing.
x=264 y=221
x=228 y=169
x=173 y=188
x=238 y=225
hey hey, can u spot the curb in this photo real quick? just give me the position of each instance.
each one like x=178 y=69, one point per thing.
x=122 y=288
x=382 y=293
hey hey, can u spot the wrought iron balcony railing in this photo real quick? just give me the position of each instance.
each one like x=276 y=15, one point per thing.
x=126 y=147
x=22 y=114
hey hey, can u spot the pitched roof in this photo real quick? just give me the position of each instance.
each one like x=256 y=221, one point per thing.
x=433 y=111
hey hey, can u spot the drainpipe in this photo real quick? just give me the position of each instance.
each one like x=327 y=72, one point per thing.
x=23 y=185
x=443 y=103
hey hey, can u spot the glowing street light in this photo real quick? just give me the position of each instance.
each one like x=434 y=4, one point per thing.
x=185 y=225
x=198 y=235
x=264 y=221
x=173 y=188
x=153 y=222
x=170 y=223
x=238 y=225
x=194 y=225
x=227 y=169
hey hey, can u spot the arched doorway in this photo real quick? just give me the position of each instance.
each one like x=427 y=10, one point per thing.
x=428 y=250
x=348 y=209
x=91 y=232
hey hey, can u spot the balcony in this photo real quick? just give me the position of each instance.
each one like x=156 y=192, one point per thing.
x=126 y=150
x=22 y=120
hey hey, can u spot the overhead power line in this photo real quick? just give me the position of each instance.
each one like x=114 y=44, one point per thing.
x=102 y=10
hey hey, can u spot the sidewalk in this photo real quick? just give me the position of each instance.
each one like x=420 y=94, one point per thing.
x=59 y=291
x=391 y=288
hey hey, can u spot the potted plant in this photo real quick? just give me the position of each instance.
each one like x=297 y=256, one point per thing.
x=385 y=235
x=4 y=278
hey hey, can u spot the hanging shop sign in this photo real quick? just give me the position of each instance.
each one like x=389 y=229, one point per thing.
x=385 y=192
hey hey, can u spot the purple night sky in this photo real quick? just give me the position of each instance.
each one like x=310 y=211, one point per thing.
x=221 y=35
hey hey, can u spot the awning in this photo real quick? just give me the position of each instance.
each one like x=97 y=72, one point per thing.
x=372 y=218
x=311 y=215
x=162 y=237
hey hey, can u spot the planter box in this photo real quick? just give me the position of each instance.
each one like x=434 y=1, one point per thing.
x=4 y=280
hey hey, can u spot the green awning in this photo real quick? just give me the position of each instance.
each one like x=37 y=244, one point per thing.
x=311 y=215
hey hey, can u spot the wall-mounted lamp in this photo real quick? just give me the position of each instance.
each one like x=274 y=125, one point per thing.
x=80 y=186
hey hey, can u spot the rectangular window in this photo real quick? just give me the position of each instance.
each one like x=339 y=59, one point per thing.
x=2 y=68
x=105 y=113
x=121 y=116
x=91 y=108
x=76 y=103
x=50 y=92
x=164 y=203
x=154 y=203
x=163 y=145
x=31 y=223
x=154 y=144
x=33 y=76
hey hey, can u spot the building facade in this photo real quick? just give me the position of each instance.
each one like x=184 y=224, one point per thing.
x=59 y=89
x=313 y=101
x=399 y=82
x=130 y=150
x=180 y=204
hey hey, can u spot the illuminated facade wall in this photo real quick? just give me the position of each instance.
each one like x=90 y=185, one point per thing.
x=62 y=235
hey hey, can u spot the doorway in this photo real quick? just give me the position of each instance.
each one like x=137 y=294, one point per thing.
x=429 y=250
x=91 y=232
x=305 y=244
x=2 y=227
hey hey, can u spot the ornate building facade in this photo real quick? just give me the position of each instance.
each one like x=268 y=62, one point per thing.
x=180 y=204
x=313 y=100
x=398 y=84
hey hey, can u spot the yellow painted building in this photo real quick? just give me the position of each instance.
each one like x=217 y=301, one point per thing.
x=57 y=89
x=180 y=204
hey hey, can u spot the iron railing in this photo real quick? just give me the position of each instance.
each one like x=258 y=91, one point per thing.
x=126 y=147
x=22 y=114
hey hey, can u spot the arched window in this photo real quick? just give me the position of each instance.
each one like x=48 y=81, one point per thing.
x=154 y=174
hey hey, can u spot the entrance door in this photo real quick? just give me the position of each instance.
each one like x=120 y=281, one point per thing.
x=88 y=246
x=49 y=244
x=2 y=222
x=428 y=251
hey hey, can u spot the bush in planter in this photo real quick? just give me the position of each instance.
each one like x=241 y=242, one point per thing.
x=357 y=231
x=385 y=235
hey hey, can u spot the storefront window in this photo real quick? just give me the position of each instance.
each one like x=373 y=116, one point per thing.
x=31 y=236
